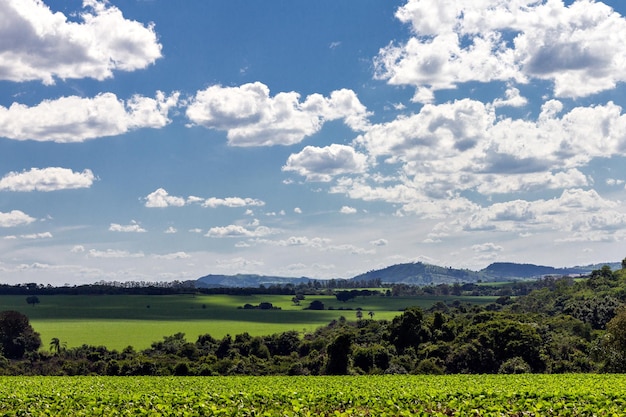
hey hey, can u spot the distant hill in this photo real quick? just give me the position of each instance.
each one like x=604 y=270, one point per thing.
x=417 y=273
x=421 y=274
x=513 y=270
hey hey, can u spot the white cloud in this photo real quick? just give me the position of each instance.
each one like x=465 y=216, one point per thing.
x=77 y=249
x=160 y=198
x=134 y=227
x=321 y=164
x=512 y=99
x=252 y=118
x=613 y=181
x=234 y=230
x=318 y=243
x=15 y=218
x=170 y=230
x=315 y=242
x=46 y=179
x=232 y=202
x=297 y=210
x=454 y=147
x=574 y=211
x=173 y=256
x=38 y=44
x=487 y=247
x=577 y=47
x=32 y=236
x=76 y=119
x=347 y=210
x=112 y=253
x=379 y=242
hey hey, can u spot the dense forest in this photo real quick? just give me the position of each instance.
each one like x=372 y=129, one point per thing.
x=553 y=325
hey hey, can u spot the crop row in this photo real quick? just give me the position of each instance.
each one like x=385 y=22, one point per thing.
x=459 y=395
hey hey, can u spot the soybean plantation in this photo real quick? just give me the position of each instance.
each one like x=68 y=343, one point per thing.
x=458 y=395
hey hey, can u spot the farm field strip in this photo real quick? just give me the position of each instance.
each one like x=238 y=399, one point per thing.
x=117 y=321
x=459 y=395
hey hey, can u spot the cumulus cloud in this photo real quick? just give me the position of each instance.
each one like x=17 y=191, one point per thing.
x=347 y=210
x=450 y=148
x=234 y=230
x=251 y=117
x=577 y=47
x=487 y=247
x=112 y=253
x=160 y=199
x=46 y=179
x=512 y=98
x=134 y=227
x=315 y=242
x=76 y=119
x=38 y=44
x=173 y=256
x=15 y=218
x=318 y=243
x=322 y=164
x=379 y=242
x=32 y=236
x=232 y=202
x=574 y=211
x=77 y=249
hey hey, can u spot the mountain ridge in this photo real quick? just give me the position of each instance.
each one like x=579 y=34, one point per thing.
x=413 y=273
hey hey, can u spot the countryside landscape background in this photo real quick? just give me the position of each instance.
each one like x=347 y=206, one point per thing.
x=438 y=152
x=543 y=324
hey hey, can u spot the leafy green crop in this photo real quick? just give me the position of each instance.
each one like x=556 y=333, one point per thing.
x=455 y=395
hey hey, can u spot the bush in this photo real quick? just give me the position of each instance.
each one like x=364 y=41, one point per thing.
x=514 y=365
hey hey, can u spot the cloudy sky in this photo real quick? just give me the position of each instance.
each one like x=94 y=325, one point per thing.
x=157 y=140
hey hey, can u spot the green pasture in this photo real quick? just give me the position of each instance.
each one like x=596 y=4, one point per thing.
x=118 y=321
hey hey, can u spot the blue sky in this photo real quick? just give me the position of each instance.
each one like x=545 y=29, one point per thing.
x=156 y=140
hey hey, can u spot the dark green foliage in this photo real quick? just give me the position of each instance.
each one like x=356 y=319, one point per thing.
x=516 y=365
x=17 y=335
x=407 y=330
x=316 y=305
x=345 y=295
x=338 y=355
x=32 y=300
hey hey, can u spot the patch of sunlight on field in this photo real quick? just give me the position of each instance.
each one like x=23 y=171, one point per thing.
x=117 y=334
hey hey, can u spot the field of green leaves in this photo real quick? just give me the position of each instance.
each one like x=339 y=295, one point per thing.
x=458 y=395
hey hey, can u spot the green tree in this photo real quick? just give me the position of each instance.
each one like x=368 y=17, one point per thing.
x=33 y=300
x=56 y=346
x=17 y=336
x=316 y=305
x=408 y=330
x=338 y=355
x=614 y=343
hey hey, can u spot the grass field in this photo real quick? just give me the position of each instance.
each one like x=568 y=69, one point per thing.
x=117 y=321
x=343 y=396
